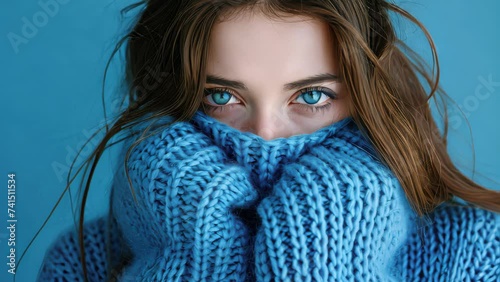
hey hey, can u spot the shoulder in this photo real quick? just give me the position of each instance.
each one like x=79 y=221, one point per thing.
x=466 y=228
x=62 y=258
x=456 y=243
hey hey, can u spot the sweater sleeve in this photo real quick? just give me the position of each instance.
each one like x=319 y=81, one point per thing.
x=182 y=227
x=334 y=215
x=457 y=243
x=62 y=259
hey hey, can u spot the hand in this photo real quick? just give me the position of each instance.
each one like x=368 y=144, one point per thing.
x=186 y=192
x=335 y=214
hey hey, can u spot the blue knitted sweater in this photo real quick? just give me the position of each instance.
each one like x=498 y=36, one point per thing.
x=217 y=204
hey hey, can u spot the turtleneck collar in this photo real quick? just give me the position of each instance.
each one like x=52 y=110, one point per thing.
x=264 y=158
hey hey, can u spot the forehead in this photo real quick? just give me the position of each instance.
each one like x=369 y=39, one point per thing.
x=253 y=42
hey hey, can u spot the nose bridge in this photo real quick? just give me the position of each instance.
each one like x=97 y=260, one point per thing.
x=268 y=123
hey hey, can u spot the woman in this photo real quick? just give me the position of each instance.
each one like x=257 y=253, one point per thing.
x=289 y=140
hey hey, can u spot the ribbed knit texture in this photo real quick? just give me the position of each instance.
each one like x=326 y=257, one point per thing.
x=217 y=204
x=457 y=244
x=62 y=260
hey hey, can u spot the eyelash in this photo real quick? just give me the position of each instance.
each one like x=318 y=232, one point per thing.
x=313 y=109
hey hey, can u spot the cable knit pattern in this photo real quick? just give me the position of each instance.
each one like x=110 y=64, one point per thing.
x=335 y=215
x=217 y=204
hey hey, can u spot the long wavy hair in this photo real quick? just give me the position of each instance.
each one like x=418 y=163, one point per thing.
x=390 y=87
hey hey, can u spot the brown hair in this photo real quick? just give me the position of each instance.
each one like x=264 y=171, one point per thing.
x=386 y=80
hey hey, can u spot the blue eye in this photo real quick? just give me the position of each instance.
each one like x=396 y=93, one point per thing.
x=220 y=97
x=313 y=96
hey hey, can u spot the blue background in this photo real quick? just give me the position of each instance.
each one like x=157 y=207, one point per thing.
x=51 y=100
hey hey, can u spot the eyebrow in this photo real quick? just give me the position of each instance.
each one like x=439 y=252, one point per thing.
x=319 y=78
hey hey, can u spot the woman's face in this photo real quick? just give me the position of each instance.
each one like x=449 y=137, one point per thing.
x=274 y=78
